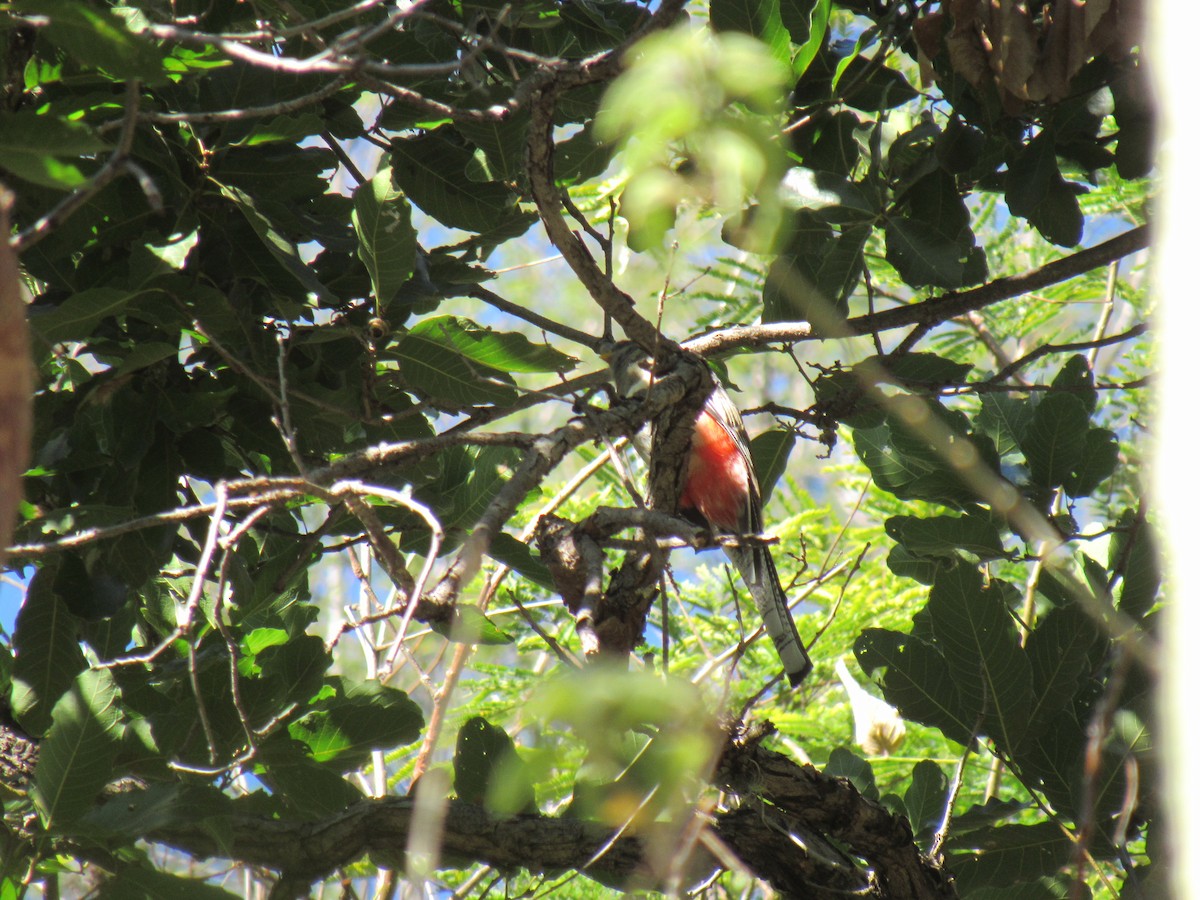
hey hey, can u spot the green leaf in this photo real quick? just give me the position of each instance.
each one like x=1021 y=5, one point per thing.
x=96 y=36
x=1076 y=378
x=917 y=682
x=1035 y=190
x=437 y=368
x=926 y=796
x=506 y=351
x=488 y=770
x=432 y=172
x=945 y=535
x=76 y=756
x=923 y=369
x=924 y=255
x=977 y=635
x=280 y=248
x=48 y=657
x=845 y=763
x=770 y=451
x=1055 y=439
x=155 y=808
x=1004 y=419
x=759 y=18
x=77 y=317
x=387 y=241
x=812 y=38
x=312 y=790
x=1059 y=649
x=919 y=568
x=470 y=626
x=1096 y=462
x=520 y=558
x=812 y=278
x=1135 y=553
x=133 y=882
x=503 y=141
x=32 y=147
x=362 y=717
x=1007 y=853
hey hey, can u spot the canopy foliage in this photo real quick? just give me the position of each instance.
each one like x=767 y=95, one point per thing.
x=334 y=568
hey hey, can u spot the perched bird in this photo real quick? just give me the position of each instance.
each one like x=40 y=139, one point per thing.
x=720 y=484
x=878 y=728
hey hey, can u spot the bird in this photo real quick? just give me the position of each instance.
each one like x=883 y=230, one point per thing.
x=721 y=485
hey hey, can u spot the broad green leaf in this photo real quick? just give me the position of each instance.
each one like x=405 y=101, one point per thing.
x=812 y=38
x=1005 y=419
x=1035 y=190
x=48 y=657
x=432 y=172
x=490 y=469
x=470 y=626
x=945 y=535
x=1055 y=439
x=580 y=157
x=926 y=797
x=312 y=790
x=362 y=717
x=1097 y=461
x=770 y=451
x=979 y=639
x=1007 y=853
x=1059 y=649
x=96 y=36
x=77 y=317
x=503 y=142
x=924 y=255
x=919 y=568
x=847 y=764
x=133 y=882
x=1136 y=552
x=76 y=756
x=918 y=681
x=760 y=19
x=155 y=808
x=440 y=370
x=1076 y=378
x=926 y=369
x=506 y=351
x=387 y=241
x=37 y=148
x=814 y=275
x=488 y=769
x=298 y=666
x=279 y=247
x=519 y=557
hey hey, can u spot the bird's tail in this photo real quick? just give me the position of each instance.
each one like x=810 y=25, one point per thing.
x=758 y=571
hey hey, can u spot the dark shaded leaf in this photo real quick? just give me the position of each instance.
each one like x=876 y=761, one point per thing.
x=519 y=557
x=979 y=640
x=488 y=770
x=926 y=797
x=387 y=241
x=1059 y=651
x=845 y=763
x=48 y=657
x=1055 y=439
x=76 y=757
x=362 y=717
x=945 y=535
x=1007 y=853
x=470 y=626
x=770 y=451
x=918 y=681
